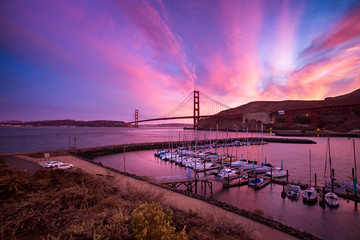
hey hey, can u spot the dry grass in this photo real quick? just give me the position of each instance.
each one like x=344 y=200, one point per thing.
x=57 y=204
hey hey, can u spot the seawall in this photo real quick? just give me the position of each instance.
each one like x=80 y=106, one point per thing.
x=90 y=153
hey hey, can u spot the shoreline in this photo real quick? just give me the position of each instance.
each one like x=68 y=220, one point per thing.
x=250 y=219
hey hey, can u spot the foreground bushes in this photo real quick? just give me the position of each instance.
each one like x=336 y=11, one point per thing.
x=58 y=204
x=151 y=221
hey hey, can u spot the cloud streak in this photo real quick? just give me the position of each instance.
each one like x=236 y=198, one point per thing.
x=112 y=56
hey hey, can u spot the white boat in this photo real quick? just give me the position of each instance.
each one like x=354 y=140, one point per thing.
x=310 y=195
x=262 y=169
x=238 y=163
x=226 y=172
x=248 y=166
x=276 y=174
x=293 y=192
x=349 y=185
x=213 y=158
x=331 y=199
x=338 y=187
x=203 y=166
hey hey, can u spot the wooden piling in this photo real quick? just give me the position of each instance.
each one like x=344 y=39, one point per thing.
x=315 y=180
x=287 y=175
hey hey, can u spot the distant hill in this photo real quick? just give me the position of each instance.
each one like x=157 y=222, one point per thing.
x=67 y=122
x=259 y=111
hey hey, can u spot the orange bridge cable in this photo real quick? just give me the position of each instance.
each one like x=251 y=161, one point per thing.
x=178 y=107
x=215 y=101
x=143 y=117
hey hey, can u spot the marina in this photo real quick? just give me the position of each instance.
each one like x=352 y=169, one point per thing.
x=266 y=199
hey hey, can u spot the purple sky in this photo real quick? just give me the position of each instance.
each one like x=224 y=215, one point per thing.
x=90 y=60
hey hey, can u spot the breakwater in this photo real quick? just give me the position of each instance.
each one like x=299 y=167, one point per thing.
x=90 y=153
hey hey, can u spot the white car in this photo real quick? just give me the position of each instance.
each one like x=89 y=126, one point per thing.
x=52 y=164
x=65 y=166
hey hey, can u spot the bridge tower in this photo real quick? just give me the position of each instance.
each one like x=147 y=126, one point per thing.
x=136 y=118
x=196 y=108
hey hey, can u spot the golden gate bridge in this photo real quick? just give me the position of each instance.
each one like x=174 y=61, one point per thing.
x=211 y=108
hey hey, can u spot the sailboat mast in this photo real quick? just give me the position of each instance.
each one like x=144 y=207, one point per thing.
x=310 y=164
x=217 y=129
x=210 y=141
x=331 y=176
x=354 y=158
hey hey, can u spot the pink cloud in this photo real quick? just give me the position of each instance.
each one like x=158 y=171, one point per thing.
x=234 y=67
x=346 y=31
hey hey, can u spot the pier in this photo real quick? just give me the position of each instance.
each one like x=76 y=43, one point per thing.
x=178 y=181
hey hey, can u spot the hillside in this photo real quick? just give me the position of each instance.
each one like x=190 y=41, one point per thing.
x=66 y=123
x=259 y=111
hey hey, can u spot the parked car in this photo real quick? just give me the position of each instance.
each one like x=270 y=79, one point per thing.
x=65 y=166
x=52 y=164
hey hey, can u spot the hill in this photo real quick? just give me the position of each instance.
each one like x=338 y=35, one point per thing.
x=258 y=111
x=66 y=123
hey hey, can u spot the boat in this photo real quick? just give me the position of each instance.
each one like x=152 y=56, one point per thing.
x=238 y=163
x=226 y=172
x=263 y=169
x=310 y=195
x=331 y=199
x=255 y=182
x=349 y=185
x=248 y=166
x=337 y=187
x=245 y=176
x=293 y=192
x=276 y=174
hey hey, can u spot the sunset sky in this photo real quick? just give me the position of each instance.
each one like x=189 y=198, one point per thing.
x=91 y=60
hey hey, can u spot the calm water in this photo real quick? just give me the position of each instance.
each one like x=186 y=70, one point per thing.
x=340 y=223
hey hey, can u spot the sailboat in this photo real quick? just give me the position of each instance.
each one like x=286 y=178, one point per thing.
x=331 y=182
x=351 y=185
x=310 y=195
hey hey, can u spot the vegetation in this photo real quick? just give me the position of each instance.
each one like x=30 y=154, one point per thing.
x=58 y=204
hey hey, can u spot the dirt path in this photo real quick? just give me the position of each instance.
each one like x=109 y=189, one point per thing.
x=177 y=200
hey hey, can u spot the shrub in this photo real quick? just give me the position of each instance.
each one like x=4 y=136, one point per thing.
x=151 y=221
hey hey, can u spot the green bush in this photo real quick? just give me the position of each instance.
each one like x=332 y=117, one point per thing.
x=151 y=221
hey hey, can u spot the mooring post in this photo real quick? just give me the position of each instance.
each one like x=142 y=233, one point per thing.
x=315 y=179
x=195 y=184
x=287 y=175
x=353 y=174
x=332 y=181
x=355 y=185
x=283 y=194
x=270 y=175
x=322 y=202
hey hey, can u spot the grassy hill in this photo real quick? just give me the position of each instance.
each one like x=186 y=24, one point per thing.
x=330 y=120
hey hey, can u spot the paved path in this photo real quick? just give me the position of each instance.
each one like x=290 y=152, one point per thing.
x=177 y=200
x=21 y=163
